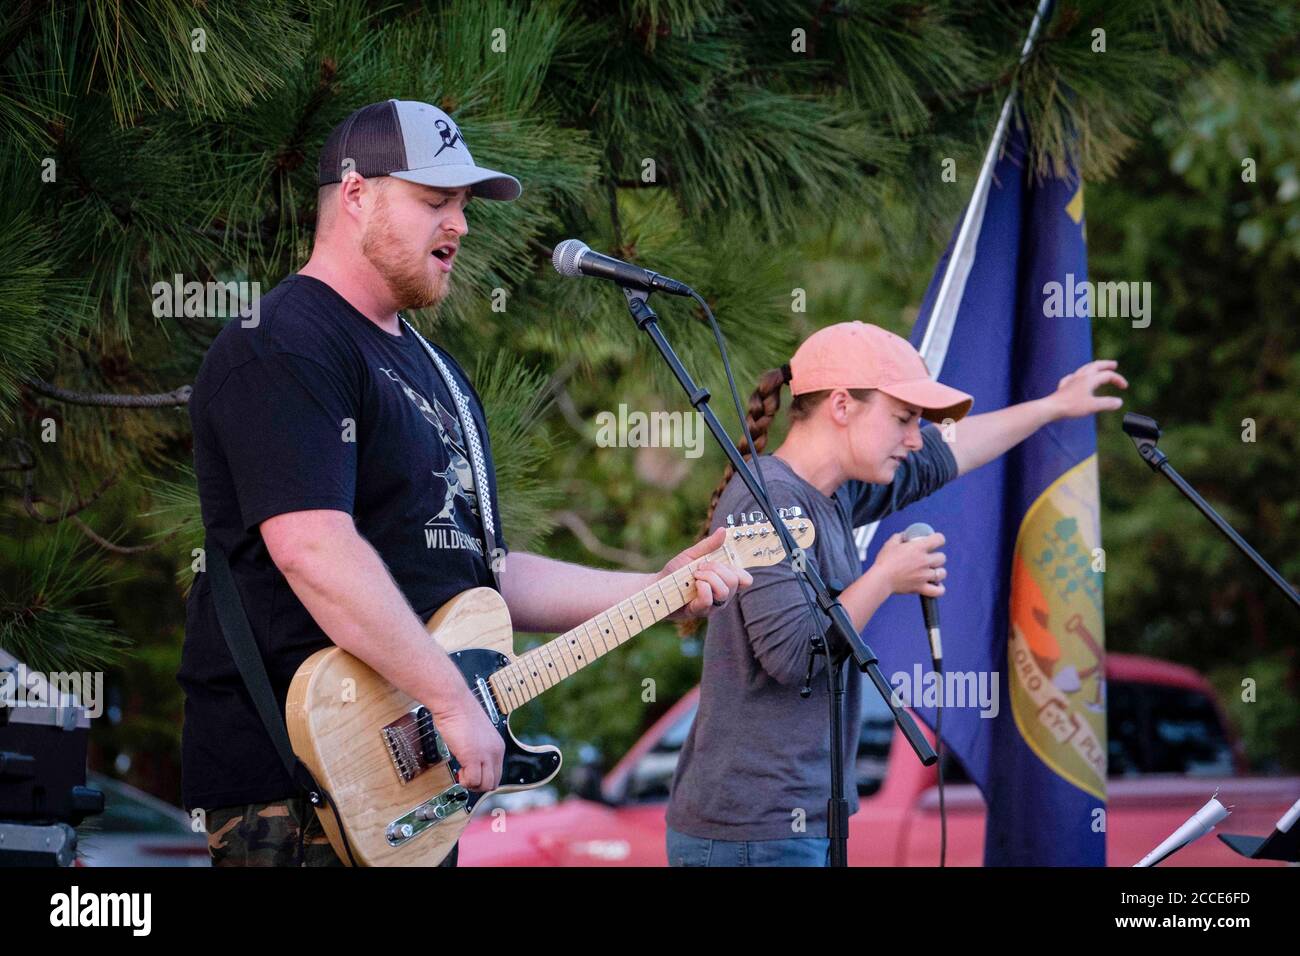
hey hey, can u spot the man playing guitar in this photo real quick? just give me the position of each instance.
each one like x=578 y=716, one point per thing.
x=344 y=469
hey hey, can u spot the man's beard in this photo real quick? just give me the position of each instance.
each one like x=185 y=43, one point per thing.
x=405 y=272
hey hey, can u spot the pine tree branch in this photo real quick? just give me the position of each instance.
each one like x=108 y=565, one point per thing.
x=662 y=181
x=178 y=396
x=614 y=221
x=28 y=14
x=293 y=152
x=225 y=232
x=815 y=29
x=104 y=543
x=85 y=187
x=555 y=383
x=187 y=326
x=564 y=402
x=938 y=99
x=31 y=500
x=587 y=538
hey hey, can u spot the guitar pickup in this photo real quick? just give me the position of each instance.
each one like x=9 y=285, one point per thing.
x=414 y=744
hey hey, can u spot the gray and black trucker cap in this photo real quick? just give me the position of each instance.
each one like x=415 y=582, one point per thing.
x=412 y=141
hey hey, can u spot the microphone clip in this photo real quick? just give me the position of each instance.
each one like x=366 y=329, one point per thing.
x=637 y=305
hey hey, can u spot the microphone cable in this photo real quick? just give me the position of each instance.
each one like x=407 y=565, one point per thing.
x=753 y=452
x=938 y=739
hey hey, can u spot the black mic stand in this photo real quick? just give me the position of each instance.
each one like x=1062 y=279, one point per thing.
x=836 y=618
x=1145 y=432
x=837 y=807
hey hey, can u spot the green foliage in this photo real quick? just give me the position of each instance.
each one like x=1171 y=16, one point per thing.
x=1264 y=707
x=45 y=623
x=520 y=400
x=37 y=305
x=1220 y=353
x=250 y=43
x=176 y=508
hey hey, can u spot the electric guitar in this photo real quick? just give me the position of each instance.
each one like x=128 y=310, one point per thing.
x=377 y=752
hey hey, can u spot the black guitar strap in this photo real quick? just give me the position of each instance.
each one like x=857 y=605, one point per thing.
x=243 y=648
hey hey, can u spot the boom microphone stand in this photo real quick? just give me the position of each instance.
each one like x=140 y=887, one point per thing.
x=1145 y=432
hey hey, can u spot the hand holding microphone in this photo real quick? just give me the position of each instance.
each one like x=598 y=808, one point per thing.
x=912 y=564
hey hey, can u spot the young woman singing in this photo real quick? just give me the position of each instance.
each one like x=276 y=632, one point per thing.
x=751 y=784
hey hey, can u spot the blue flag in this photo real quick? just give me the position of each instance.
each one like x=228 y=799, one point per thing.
x=1005 y=317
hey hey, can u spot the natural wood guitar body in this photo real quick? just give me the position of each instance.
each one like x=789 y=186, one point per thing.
x=337 y=704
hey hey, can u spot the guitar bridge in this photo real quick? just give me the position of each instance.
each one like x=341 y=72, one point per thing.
x=454 y=799
x=414 y=744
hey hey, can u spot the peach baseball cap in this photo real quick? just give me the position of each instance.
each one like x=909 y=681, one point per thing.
x=858 y=355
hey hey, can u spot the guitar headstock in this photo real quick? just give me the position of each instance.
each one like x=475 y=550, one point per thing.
x=754 y=544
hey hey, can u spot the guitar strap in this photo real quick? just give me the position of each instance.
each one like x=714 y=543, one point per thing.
x=243 y=648
x=478 y=462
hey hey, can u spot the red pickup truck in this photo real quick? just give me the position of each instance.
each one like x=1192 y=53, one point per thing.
x=1169 y=751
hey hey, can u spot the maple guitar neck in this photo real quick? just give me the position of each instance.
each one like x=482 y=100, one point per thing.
x=544 y=666
x=537 y=670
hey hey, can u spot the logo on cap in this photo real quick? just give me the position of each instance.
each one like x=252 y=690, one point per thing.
x=450 y=136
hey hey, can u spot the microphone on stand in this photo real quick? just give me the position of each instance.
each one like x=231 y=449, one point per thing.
x=929 y=605
x=574 y=258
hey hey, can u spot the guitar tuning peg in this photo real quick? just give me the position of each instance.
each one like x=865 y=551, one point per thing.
x=795 y=512
x=731 y=521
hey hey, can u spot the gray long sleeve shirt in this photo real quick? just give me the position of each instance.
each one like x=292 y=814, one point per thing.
x=756 y=763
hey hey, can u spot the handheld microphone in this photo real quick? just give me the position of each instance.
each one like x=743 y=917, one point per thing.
x=929 y=605
x=573 y=258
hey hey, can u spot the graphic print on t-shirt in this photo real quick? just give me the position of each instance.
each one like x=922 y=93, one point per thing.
x=443 y=530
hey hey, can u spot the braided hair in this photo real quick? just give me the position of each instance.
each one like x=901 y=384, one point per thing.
x=764 y=403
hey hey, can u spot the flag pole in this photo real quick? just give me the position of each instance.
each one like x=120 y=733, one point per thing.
x=947 y=302
x=943 y=314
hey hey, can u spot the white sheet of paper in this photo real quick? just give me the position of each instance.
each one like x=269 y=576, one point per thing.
x=1198 y=824
x=1289 y=818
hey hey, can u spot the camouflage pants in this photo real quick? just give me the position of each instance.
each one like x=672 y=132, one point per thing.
x=279 y=833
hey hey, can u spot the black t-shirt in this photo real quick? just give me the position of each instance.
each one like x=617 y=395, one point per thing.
x=316 y=407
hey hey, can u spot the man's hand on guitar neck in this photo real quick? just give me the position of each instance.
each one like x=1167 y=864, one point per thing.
x=715 y=582
x=547 y=596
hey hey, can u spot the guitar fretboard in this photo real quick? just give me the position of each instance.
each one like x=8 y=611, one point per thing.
x=546 y=665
